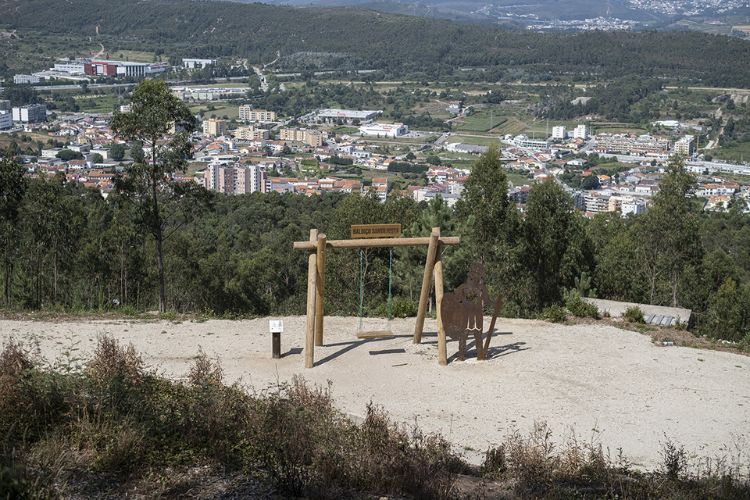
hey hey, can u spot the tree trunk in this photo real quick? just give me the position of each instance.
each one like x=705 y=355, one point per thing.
x=54 y=278
x=158 y=234
x=7 y=279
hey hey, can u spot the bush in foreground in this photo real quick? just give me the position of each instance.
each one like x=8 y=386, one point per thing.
x=537 y=468
x=114 y=429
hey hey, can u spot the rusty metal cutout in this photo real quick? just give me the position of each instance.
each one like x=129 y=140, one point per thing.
x=462 y=312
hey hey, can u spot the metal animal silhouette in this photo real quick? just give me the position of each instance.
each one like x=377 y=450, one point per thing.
x=462 y=313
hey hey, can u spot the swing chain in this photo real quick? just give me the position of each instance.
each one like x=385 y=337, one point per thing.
x=390 y=284
x=361 y=279
x=361 y=284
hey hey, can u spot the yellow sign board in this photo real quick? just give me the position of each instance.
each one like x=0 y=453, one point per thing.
x=376 y=230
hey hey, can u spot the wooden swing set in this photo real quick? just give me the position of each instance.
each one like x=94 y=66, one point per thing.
x=372 y=236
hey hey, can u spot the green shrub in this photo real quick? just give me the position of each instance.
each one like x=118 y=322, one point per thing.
x=633 y=314
x=554 y=314
x=401 y=307
x=404 y=308
x=579 y=307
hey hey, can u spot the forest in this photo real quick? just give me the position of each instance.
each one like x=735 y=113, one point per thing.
x=67 y=248
x=349 y=38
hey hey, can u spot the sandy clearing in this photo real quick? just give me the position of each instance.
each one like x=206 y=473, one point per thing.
x=603 y=382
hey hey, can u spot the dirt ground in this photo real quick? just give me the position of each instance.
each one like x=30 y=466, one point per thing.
x=600 y=382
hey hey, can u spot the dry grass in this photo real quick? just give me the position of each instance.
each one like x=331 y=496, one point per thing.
x=114 y=428
x=533 y=466
x=669 y=335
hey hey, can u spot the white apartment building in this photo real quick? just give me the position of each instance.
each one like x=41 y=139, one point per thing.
x=595 y=202
x=235 y=179
x=632 y=206
x=559 y=133
x=31 y=113
x=6 y=120
x=251 y=134
x=214 y=127
x=249 y=114
x=685 y=146
x=308 y=136
x=581 y=132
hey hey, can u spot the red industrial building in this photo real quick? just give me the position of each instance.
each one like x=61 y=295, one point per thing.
x=99 y=68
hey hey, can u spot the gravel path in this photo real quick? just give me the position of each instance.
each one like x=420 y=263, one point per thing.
x=601 y=382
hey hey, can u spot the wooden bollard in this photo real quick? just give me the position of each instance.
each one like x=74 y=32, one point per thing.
x=276 y=326
x=276 y=345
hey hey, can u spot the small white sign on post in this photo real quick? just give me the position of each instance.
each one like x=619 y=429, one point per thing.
x=276 y=326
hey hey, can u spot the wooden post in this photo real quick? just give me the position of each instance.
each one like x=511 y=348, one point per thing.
x=438 y=271
x=276 y=345
x=495 y=314
x=424 y=294
x=312 y=275
x=321 y=280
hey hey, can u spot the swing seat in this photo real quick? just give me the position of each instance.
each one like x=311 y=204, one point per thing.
x=374 y=334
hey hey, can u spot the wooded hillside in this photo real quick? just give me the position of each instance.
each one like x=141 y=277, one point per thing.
x=400 y=45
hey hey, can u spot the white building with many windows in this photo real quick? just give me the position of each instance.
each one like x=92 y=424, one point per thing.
x=249 y=114
x=32 y=113
x=6 y=120
x=581 y=132
x=235 y=179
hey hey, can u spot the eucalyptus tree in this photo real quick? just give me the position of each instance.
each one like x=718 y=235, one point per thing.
x=490 y=224
x=163 y=124
x=669 y=235
x=12 y=191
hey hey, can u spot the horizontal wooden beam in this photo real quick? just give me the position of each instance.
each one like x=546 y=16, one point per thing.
x=378 y=243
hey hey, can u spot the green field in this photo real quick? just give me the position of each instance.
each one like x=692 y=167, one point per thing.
x=518 y=179
x=617 y=128
x=738 y=153
x=481 y=121
x=511 y=126
x=217 y=110
x=480 y=141
x=97 y=104
x=346 y=130
x=129 y=55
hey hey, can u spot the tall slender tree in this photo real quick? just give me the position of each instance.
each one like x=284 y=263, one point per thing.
x=555 y=246
x=490 y=223
x=669 y=234
x=163 y=124
x=12 y=190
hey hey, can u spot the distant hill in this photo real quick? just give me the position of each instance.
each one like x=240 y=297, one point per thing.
x=349 y=38
x=652 y=12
